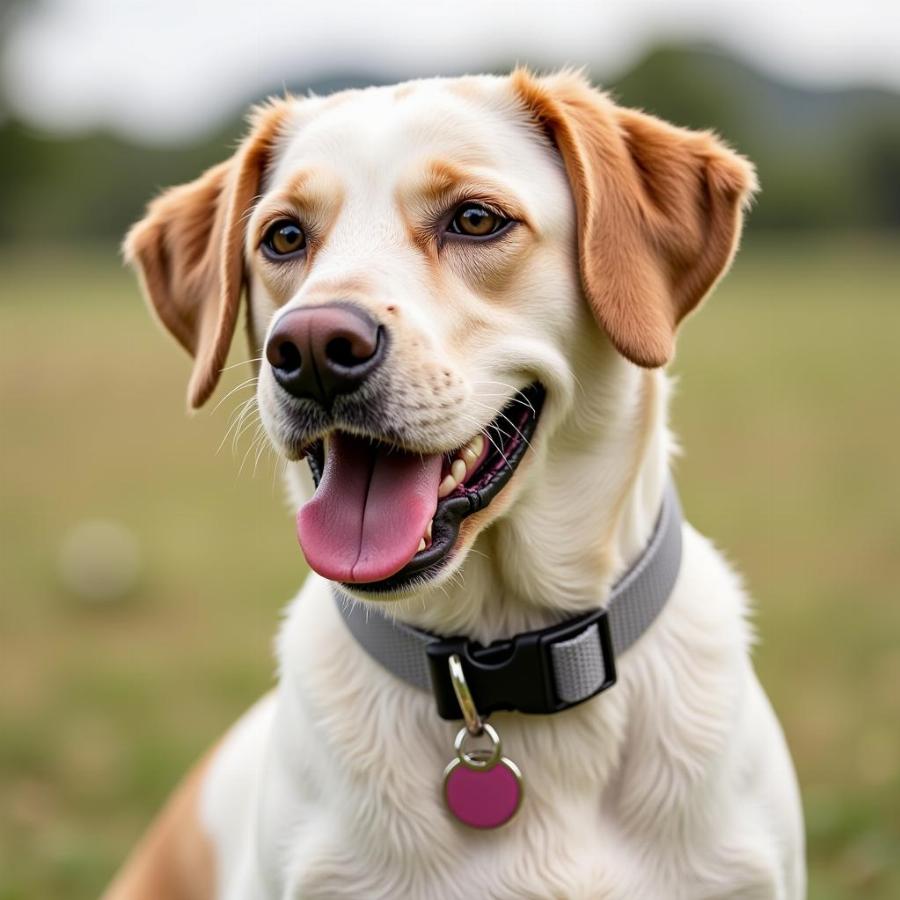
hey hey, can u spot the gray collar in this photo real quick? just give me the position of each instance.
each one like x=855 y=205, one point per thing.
x=542 y=671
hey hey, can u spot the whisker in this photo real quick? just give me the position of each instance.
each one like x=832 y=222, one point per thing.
x=250 y=382
x=238 y=426
x=486 y=431
x=472 y=550
x=235 y=419
x=280 y=468
x=515 y=398
x=244 y=458
x=240 y=433
x=243 y=362
x=263 y=445
x=521 y=401
x=502 y=454
x=514 y=426
x=503 y=384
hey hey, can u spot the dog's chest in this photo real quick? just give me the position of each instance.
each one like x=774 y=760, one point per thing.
x=364 y=755
x=625 y=797
x=505 y=869
x=392 y=838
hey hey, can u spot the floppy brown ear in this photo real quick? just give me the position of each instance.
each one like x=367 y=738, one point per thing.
x=659 y=209
x=188 y=250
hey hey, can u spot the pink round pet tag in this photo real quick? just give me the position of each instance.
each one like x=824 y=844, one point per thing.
x=482 y=788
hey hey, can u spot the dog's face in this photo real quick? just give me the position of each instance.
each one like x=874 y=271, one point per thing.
x=435 y=272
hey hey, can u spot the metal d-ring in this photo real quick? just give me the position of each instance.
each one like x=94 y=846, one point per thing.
x=474 y=722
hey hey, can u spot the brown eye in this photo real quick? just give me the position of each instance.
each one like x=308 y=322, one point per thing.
x=284 y=238
x=475 y=220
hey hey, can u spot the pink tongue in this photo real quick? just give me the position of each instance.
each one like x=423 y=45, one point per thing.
x=370 y=510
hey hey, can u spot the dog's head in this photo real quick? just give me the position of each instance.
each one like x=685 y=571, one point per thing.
x=436 y=271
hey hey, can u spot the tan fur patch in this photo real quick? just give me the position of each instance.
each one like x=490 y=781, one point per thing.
x=467 y=88
x=441 y=176
x=439 y=185
x=401 y=92
x=314 y=196
x=174 y=860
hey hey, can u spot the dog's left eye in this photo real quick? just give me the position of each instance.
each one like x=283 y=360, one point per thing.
x=475 y=220
x=284 y=239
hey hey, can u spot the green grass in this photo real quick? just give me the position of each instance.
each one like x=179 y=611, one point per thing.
x=787 y=409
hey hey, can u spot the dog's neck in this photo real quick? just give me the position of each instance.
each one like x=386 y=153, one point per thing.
x=592 y=496
x=592 y=500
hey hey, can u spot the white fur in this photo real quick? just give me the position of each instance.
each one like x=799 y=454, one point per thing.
x=675 y=783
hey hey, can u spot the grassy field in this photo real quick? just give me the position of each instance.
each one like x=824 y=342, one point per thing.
x=788 y=412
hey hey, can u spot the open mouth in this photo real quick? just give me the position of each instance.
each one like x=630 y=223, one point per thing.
x=383 y=517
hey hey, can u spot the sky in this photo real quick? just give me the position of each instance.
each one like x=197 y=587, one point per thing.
x=167 y=70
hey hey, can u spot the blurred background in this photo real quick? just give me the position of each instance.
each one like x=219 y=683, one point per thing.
x=144 y=557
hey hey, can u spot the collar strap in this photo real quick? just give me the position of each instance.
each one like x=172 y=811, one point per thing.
x=543 y=671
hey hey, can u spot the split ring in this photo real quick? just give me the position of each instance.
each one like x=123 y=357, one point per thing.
x=479 y=758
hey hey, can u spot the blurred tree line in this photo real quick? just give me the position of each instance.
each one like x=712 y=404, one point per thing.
x=826 y=159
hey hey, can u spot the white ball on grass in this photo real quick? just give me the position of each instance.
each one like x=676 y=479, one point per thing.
x=99 y=560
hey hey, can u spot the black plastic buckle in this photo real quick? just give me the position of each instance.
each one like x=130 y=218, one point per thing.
x=514 y=674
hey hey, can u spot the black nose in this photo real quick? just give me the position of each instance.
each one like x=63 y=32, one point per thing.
x=322 y=351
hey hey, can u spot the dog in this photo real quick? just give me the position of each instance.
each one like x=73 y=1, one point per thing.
x=462 y=294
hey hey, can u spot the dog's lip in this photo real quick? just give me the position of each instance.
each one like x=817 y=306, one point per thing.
x=510 y=435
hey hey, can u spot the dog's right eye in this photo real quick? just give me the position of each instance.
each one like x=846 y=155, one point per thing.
x=283 y=239
x=475 y=220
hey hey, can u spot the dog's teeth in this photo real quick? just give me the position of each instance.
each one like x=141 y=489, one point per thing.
x=461 y=466
x=472 y=451
x=421 y=546
x=448 y=486
x=428 y=529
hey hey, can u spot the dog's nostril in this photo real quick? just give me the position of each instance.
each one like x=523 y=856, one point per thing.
x=290 y=359
x=340 y=351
